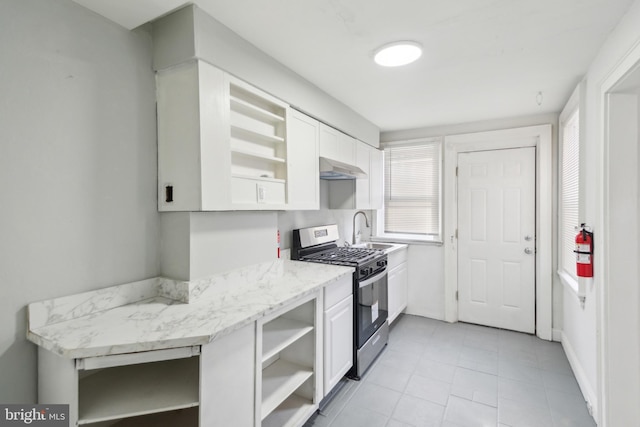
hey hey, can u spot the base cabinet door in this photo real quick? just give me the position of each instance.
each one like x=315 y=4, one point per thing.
x=338 y=342
x=227 y=380
x=398 y=290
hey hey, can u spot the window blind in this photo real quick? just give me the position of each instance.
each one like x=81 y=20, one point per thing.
x=569 y=189
x=412 y=188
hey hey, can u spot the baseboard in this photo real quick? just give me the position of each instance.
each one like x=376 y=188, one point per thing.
x=556 y=335
x=423 y=312
x=587 y=391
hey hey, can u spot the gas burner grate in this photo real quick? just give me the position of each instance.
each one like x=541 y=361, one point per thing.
x=345 y=255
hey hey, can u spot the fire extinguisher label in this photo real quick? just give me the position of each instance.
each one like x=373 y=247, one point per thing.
x=581 y=247
x=583 y=258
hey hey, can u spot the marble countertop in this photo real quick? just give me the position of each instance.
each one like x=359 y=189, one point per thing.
x=161 y=313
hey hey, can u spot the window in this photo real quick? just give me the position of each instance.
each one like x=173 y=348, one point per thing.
x=412 y=191
x=569 y=197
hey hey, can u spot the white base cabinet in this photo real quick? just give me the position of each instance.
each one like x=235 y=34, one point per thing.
x=268 y=373
x=397 y=282
x=227 y=380
x=123 y=389
x=210 y=385
x=338 y=332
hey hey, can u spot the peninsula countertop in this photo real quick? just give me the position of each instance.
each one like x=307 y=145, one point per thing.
x=160 y=313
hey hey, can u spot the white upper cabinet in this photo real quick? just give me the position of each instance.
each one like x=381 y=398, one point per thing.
x=376 y=178
x=363 y=161
x=337 y=145
x=192 y=131
x=328 y=142
x=360 y=193
x=258 y=147
x=226 y=145
x=303 y=184
x=346 y=148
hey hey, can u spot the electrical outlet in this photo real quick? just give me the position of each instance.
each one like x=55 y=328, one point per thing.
x=262 y=193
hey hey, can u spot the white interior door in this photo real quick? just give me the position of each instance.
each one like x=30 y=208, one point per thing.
x=496 y=238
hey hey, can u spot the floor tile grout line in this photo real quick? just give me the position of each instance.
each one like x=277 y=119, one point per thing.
x=459 y=343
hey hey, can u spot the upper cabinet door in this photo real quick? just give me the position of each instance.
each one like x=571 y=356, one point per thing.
x=328 y=142
x=337 y=145
x=363 y=191
x=346 y=149
x=192 y=129
x=303 y=180
x=376 y=178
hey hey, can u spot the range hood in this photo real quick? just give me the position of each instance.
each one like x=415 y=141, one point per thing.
x=333 y=169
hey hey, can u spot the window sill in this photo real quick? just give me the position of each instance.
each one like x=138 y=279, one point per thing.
x=574 y=285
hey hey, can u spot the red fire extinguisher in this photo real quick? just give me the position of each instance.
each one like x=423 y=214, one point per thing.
x=584 y=252
x=278 y=241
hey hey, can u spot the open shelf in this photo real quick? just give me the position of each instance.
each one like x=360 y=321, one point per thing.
x=257 y=135
x=256 y=155
x=247 y=108
x=181 y=417
x=141 y=389
x=280 y=333
x=279 y=381
x=290 y=412
x=259 y=178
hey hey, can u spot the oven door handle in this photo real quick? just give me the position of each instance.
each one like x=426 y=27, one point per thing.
x=372 y=279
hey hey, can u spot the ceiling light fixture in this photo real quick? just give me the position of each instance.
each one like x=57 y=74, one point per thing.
x=397 y=53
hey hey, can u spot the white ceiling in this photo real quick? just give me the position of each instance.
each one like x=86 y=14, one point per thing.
x=484 y=59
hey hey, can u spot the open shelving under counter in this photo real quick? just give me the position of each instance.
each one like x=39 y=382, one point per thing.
x=141 y=389
x=287 y=377
x=242 y=348
x=294 y=408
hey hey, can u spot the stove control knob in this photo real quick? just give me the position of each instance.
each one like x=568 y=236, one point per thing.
x=364 y=272
x=382 y=263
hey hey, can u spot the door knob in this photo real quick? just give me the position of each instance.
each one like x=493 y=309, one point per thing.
x=528 y=238
x=528 y=251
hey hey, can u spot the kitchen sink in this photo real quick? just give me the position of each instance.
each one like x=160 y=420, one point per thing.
x=373 y=245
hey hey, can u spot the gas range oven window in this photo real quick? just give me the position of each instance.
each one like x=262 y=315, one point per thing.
x=371 y=307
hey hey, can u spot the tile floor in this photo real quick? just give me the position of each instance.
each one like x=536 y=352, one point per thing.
x=437 y=374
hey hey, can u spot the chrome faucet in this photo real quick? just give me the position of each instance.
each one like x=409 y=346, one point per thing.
x=366 y=222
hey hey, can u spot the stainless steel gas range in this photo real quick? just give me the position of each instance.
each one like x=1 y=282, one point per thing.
x=371 y=330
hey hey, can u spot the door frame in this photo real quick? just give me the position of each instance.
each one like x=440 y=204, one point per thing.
x=539 y=137
x=615 y=402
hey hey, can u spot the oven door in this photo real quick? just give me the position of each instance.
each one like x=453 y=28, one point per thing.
x=371 y=306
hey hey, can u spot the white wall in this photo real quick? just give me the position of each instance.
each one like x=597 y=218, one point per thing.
x=580 y=330
x=426 y=262
x=221 y=241
x=290 y=220
x=200 y=244
x=77 y=166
